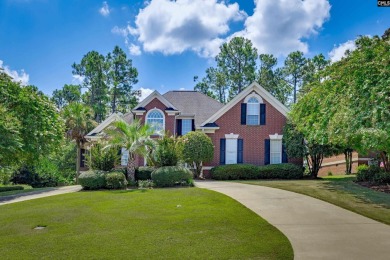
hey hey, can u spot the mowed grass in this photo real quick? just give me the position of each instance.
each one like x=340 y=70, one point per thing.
x=187 y=223
x=341 y=191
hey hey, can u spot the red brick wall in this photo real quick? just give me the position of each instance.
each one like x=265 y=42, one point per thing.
x=253 y=136
x=336 y=164
x=169 y=121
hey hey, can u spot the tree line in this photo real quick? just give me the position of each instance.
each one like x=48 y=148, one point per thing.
x=238 y=64
x=107 y=84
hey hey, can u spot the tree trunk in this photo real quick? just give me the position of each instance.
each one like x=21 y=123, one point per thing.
x=78 y=159
x=131 y=168
x=385 y=159
x=198 y=169
x=348 y=160
x=316 y=164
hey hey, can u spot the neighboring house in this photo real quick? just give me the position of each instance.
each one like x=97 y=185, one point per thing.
x=248 y=129
x=336 y=164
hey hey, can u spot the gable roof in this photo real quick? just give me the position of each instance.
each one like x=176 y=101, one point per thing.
x=193 y=103
x=252 y=87
x=128 y=117
x=149 y=98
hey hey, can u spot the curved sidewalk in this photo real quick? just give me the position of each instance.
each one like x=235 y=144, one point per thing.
x=38 y=194
x=316 y=229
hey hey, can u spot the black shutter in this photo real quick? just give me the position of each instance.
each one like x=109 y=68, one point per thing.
x=243 y=113
x=178 y=127
x=240 y=151
x=222 y=151
x=284 y=154
x=267 y=154
x=193 y=124
x=262 y=114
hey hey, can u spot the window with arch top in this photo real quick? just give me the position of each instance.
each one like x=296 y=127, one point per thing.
x=155 y=118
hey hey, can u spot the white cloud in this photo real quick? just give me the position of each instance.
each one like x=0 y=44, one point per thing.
x=21 y=76
x=144 y=93
x=172 y=27
x=105 y=9
x=279 y=26
x=134 y=50
x=338 y=52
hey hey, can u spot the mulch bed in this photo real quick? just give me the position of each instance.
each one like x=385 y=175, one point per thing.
x=382 y=188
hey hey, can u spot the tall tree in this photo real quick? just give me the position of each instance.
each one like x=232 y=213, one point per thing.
x=121 y=78
x=135 y=138
x=272 y=79
x=66 y=95
x=213 y=84
x=10 y=139
x=313 y=71
x=93 y=68
x=79 y=121
x=294 y=67
x=41 y=129
x=237 y=61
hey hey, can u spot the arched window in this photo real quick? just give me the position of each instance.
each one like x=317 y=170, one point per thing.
x=155 y=118
x=253 y=111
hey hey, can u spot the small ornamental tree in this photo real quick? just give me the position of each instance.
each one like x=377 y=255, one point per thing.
x=196 y=148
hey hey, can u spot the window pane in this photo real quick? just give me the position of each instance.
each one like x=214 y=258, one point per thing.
x=186 y=126
x=253 y=109
x=276 y=151
x=253 y=100
x=156 y=120
x=252 y=120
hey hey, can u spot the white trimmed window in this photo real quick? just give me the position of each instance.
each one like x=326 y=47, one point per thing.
x=253 y=111
x=275 y=151
x=186 y=126
x=155 y=118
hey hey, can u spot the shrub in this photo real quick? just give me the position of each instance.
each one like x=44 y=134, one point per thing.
x=115 y=180
x=101 y=158
x=5 y=175
x=45 y=174
x=166 y=153
x=373 y=174
x=248 y=171
x=280 y=171
x=10 y=188
x=145 y=184
x=169 y=176
x=144 y=173
x=92 y=180
x=234 y=172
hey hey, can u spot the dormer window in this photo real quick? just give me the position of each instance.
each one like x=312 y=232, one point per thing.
x=253 y=111
x=155 y=118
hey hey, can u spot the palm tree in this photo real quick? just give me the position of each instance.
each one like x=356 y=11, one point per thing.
x=79 y=121
x=135 y=138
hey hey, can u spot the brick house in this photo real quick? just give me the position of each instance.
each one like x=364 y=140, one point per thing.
x=248 y=129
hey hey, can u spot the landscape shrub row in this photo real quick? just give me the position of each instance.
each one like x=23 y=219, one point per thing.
x=10 y=188
x=169 y=176
x=248 y=171
x=372 y=174
x=94 y=180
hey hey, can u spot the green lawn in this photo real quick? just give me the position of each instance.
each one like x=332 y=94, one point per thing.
x=187 y=223
x=341 y=191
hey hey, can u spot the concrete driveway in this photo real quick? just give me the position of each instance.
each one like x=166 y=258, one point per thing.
x=38 y=194
x=316 y=229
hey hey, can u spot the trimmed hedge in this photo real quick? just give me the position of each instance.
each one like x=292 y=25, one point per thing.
x=115 y=180
x=373 y=174
x=10 y=188
x=169 y=176
x=144 y=173
x=249 y=171
x=92 y=180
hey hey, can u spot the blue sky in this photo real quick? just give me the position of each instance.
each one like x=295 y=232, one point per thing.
x=170 y=42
